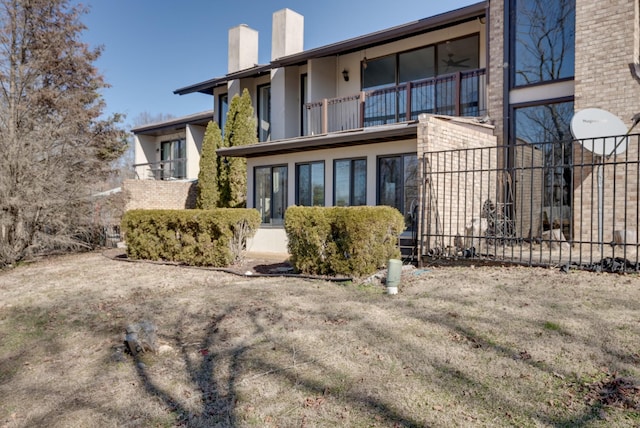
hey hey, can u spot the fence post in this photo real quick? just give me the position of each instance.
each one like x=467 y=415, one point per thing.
x=458 y=93
x=362 y=104
x=408 y=106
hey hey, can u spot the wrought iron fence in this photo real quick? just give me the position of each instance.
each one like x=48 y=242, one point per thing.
x=551 y=204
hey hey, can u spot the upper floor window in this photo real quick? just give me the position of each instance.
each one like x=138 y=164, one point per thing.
x=544 y=40
x=223 y=109
x=173 y=155
x=430 y=61
x=264 y=113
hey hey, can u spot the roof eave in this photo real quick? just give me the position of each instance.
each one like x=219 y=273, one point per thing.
x=174 y=124
x=208 y=86
x=362 y=42
x=424 y=25
x=325 y=141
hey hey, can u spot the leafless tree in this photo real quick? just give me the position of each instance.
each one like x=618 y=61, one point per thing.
x=54 y=143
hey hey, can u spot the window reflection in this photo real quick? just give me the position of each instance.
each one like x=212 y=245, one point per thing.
x=310 y=184
x=548 y=128
x=544 y=40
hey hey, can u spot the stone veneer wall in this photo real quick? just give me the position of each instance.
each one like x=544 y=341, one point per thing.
x=454 y=198
x=606 y=44
x=157 y=194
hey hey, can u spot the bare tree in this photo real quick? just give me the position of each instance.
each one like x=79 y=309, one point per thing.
x=54 y=146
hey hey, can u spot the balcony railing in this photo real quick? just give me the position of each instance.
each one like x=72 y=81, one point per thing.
x=164 y=170
x=458 y=94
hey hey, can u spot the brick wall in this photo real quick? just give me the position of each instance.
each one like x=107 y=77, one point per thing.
x=496 y=68
x=461 y=174
x=157 y=194
x=528 y=174
x=606 y=43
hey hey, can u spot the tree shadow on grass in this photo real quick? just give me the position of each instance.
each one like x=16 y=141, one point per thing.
x=217 y=400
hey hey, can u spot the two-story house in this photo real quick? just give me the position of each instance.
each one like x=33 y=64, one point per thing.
x=461 y=121
x=338 y=123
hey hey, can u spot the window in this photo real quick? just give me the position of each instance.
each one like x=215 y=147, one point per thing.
x=173 y=156
x=264 y=113
x=548 y=127
x=350 y=182
x=310 y=184
x=384 y=77
x=379 y=73
x=416 y=65
x=398 y=183
x=458 y=55
x=223 y=109
x=544 y=34
x=430 y=61
x=271 y=193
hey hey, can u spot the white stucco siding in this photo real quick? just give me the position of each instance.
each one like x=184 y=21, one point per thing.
x=270 y=239
x=144 y=149
x=369 y=151
x=193 y=140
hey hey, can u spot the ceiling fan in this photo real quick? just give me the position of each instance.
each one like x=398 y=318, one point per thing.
x=450 y=63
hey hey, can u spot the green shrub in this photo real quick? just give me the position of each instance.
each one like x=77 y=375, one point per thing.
x=342 y=240
x=308 y=234
x=194 y=237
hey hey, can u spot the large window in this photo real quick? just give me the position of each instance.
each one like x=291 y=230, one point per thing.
x=544 y=46
x=271 y=193
x=430 y=61
x=310 y=184
x=547 y=127
x=398 y=183
x=173 y=155
x=384 y=79
x=264 y=112
x=350 y=182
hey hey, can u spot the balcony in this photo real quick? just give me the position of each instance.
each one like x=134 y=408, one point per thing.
x=164 y=170
x=457 y=94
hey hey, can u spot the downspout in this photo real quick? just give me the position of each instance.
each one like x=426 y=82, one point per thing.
x=506 y=86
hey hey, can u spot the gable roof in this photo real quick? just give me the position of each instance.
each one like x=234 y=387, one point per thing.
x=410 y=29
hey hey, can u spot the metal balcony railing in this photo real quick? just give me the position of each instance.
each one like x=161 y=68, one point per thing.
x=174 y=169
x=457 y=94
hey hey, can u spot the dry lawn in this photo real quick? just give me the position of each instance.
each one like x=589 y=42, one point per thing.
x=458 y=346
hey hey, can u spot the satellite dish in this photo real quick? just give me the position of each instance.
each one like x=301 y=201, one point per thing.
x=599 y=131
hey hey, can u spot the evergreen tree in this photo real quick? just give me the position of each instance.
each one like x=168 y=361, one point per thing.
x=208 y=195
x=239 y=130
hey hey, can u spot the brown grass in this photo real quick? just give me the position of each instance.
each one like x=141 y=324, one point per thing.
x=456 y=347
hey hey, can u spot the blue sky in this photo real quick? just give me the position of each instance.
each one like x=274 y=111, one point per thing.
x=152 y=47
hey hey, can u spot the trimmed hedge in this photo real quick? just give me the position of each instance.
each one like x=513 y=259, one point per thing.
x=342 y=240
x=194 y=237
